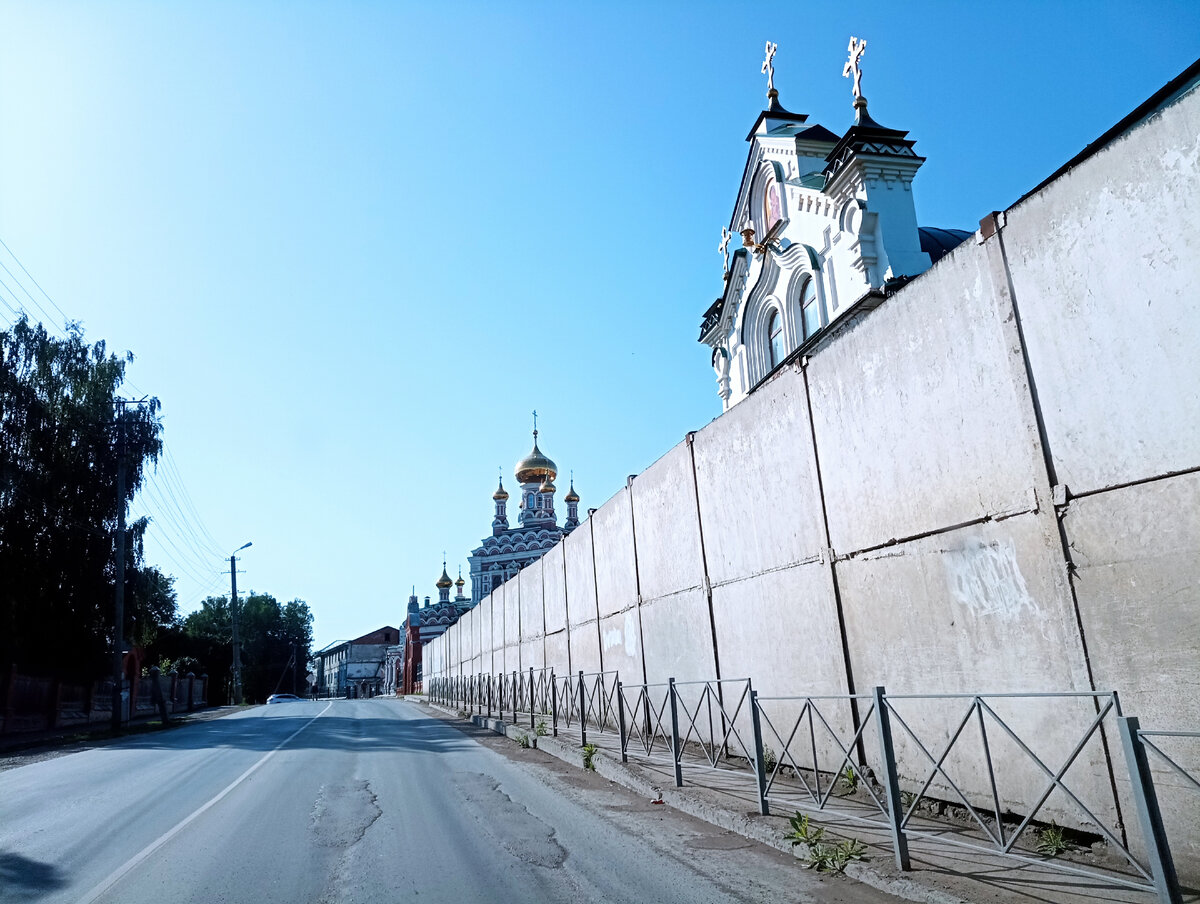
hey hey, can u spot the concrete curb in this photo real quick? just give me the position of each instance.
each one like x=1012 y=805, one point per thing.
x=909 y=889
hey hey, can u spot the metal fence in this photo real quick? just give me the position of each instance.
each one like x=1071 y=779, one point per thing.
x=29 y=704
x=850 y=756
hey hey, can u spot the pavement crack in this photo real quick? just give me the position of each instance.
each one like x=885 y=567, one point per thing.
x=342 y=814
x=520 y=833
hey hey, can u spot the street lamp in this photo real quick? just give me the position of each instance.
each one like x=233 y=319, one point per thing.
x=237 y=641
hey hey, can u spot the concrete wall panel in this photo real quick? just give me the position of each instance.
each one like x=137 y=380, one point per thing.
x=757 y=484
x=1105 y=264
x=621 y=645
x=554 y=590
x=678 y=638
x=585 y=649
x=981 y=609
x=581 y=576
x=612 y=534
x=922 y=417
x=533 y=606
x=665 y=524
x=1138 y=587
x=557 y=656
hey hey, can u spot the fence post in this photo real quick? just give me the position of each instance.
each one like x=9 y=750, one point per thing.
x=553 y=703
x=514 y=694
x=531 y=699
x=1145 y=799
x=582 y=711
x=891 y=781
x=676 y=747
x=621 y=720
x=760 y=761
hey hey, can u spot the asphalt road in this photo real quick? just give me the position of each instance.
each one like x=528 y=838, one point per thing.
x=360 y=801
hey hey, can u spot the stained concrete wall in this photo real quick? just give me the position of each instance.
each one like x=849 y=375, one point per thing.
x=988 y=483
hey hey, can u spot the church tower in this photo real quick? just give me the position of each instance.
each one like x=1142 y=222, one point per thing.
x=500 y=497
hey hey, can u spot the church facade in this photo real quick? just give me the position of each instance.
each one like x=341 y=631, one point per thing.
x=828 y=227
x=509 y=549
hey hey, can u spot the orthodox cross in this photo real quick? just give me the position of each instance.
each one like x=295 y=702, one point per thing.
x=853 y=66
x=768 y=68
x=726 y=235
x=535 y=423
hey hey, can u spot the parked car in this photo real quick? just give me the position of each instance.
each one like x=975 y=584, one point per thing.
x=282 y=698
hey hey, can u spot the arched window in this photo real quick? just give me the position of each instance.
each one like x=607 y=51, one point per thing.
x=775 y=338
x=810 y=309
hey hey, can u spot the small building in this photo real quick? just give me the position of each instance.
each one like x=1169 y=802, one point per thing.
x=354 y=667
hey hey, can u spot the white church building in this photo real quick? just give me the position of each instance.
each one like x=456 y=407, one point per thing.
x=828 y=227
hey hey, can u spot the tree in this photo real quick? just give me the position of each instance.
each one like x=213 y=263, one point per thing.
x=61 y=434
x=269 y=634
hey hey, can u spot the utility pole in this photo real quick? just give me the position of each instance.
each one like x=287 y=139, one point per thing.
x=119 y=593
x=237 y=640
x=293 y=668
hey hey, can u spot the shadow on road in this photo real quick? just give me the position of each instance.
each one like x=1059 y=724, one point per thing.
x=22 y=878
x=357 y=725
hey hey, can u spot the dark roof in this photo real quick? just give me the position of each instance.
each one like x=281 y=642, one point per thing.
x=937 y=243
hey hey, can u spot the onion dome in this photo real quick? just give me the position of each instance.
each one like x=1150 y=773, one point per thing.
x=535 y=465
x=571 y=496
x=501 y=494
x=444 y=581
x=547 y=486
x=460 y=583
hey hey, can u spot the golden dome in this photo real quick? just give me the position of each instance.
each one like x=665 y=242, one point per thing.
x=501 y=494
x=547 y=486
x=571 y=496
x=535 y=465
x=444 y=581
x=460 y=583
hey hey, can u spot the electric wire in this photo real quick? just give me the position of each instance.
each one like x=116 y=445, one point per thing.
x=45 y=294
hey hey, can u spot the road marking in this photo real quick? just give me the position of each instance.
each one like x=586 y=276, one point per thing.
x=145 y=852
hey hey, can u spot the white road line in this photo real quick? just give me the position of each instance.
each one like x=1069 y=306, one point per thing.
x=145 y=852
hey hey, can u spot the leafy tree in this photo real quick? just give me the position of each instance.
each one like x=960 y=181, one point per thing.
x=269 y=632
x=61 y=433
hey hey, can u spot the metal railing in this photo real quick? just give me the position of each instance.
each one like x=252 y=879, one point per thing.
x=846 y=754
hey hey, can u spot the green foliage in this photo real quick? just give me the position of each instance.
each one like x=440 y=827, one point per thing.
x=823 y=856
x=60 y=431
x=523 y=740
x=268 y=631
x=589 y=756
x=770 y=760
x=803 y=831
x=542 y=729
x=1051 y=840
x=848 y=780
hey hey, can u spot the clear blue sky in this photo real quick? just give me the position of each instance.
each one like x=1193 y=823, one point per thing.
x=353 y=245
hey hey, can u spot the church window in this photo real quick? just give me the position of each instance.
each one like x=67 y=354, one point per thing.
x=775 y=338
x=772 y=205
x=810 y=308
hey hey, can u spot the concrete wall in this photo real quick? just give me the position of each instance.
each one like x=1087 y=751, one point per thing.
x=989 y=483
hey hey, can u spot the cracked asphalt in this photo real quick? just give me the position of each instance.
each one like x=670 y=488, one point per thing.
x=360 y=801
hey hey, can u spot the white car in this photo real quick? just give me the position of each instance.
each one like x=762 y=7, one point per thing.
x=282 y=698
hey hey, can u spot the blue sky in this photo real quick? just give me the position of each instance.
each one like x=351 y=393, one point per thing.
x=354 y=245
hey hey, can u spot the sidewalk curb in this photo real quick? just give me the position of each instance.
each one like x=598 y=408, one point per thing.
x=754 y=829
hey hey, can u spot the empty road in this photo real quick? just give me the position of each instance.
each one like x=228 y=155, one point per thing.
x=360 y=801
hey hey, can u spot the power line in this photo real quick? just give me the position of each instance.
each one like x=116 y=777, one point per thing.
x=46 y=294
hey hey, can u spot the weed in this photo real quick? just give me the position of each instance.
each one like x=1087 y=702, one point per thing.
x=589 y=756
x=804 y=832
x=770 y=761
x=906 y=800
x=1051 y=841
x=523 y=740
x=542 y=729
x=833 y=858
x=849 y=780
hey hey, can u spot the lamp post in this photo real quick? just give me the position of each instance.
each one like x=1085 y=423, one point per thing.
x=237 y=640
